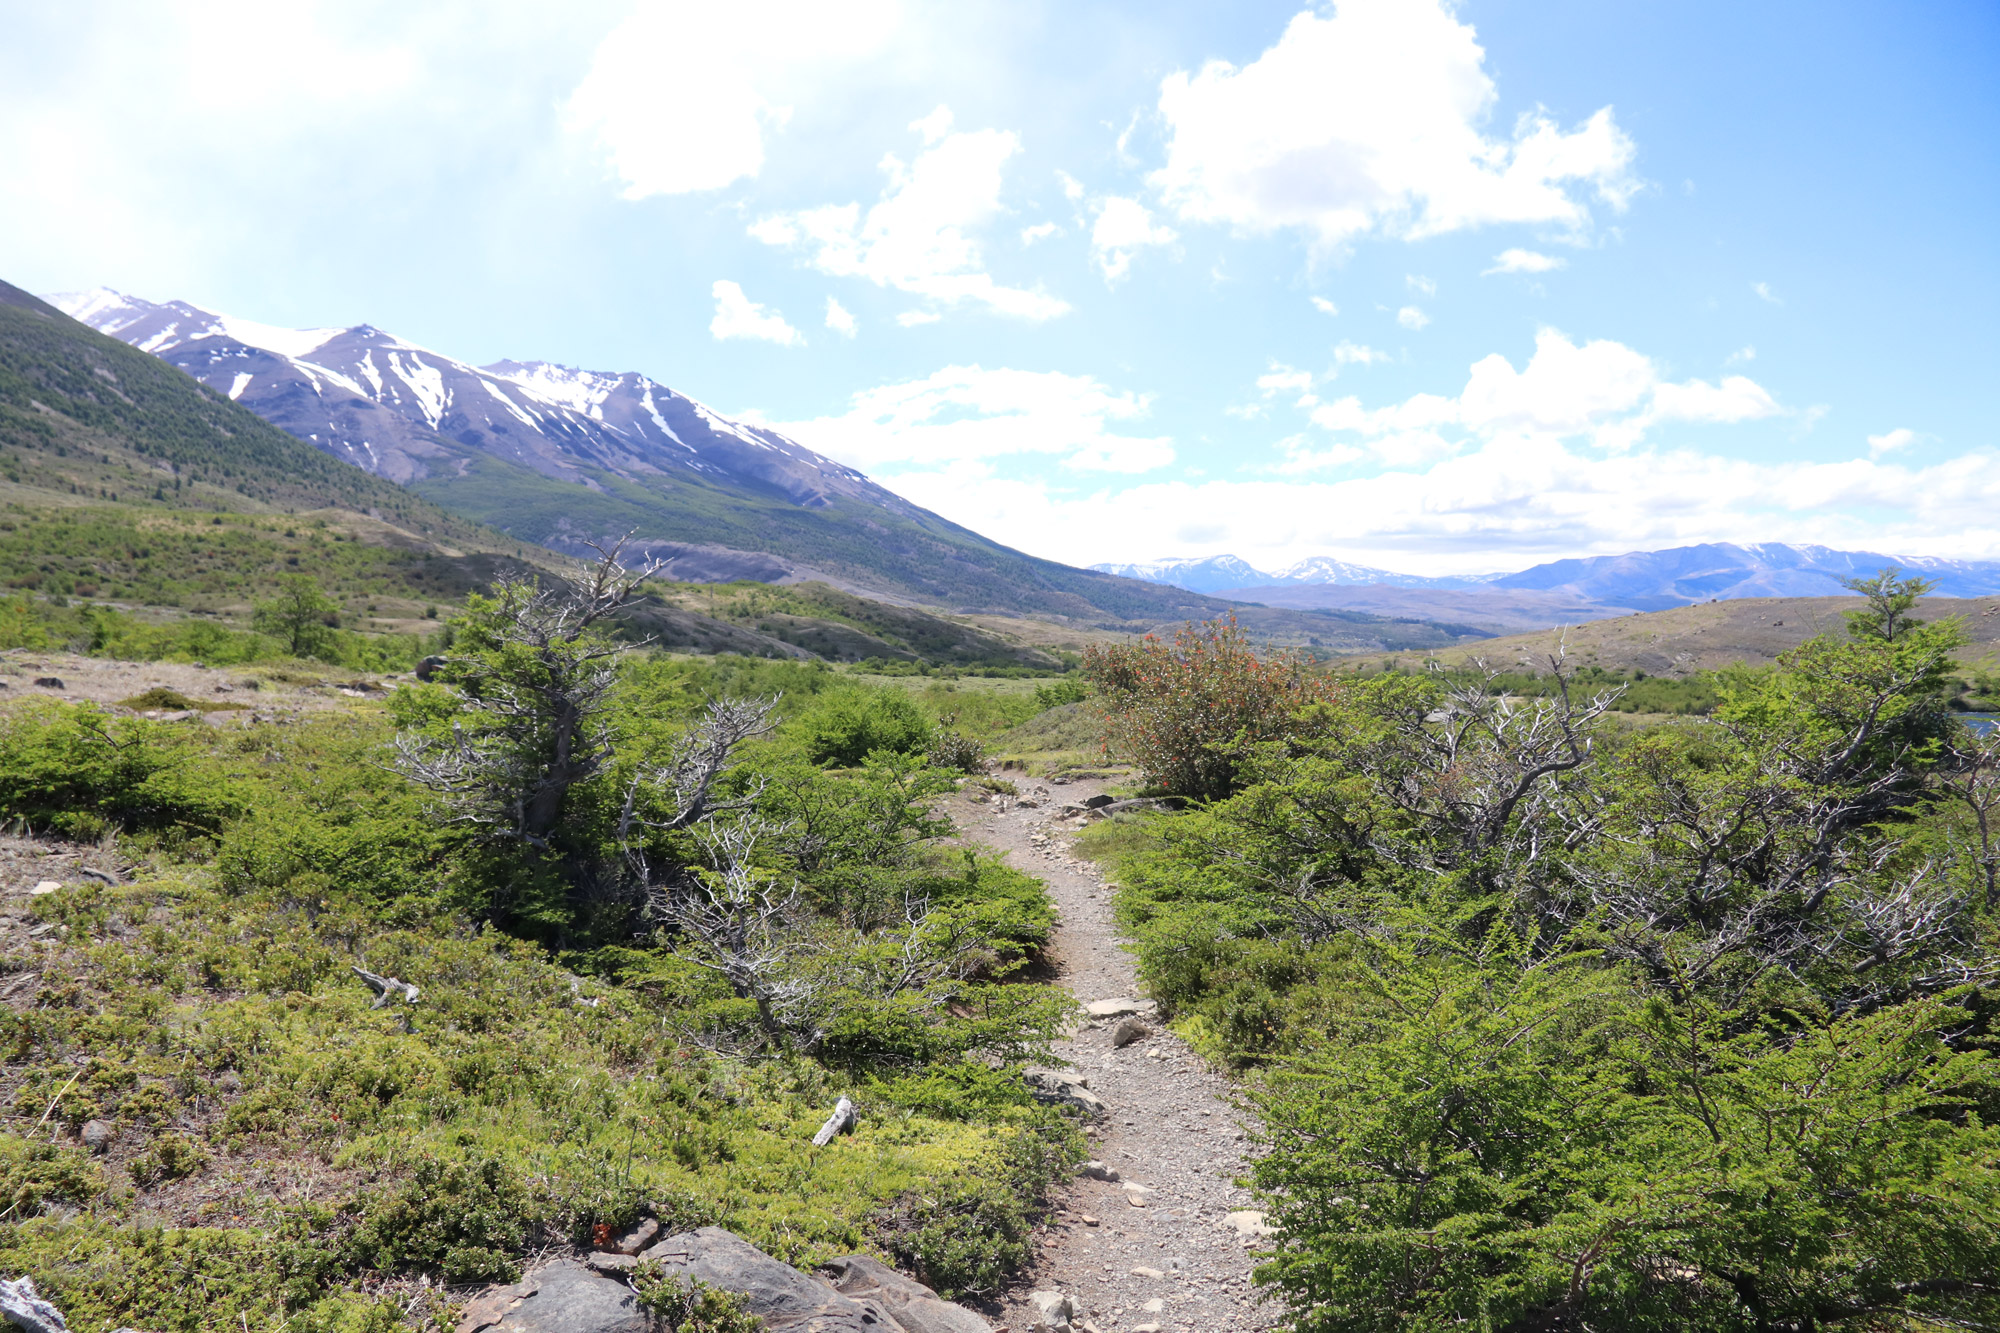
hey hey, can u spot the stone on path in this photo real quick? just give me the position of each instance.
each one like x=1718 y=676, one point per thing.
x=1150 y=1273
x=1059 y=1088
x=1053 y=1310
x=1250 y=1224
x=1117 y=1007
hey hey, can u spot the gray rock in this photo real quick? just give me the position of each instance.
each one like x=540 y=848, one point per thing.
x=1128 y=1030
x=98 y=1135
x=638 y=1238
x=1117 y=1007
x=23 y=1307
x=1062 y=1090
x=784 y=1298
x=914 y=1307
x=1053 y=1310
x=563 y=1298
x=931 y=1315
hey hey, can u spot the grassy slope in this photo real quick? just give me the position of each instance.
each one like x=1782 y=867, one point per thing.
x=928 y=560
x=124 y=481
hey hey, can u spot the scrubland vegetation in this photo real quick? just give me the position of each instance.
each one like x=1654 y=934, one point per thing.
x=1560 y=1025
x=660 y=913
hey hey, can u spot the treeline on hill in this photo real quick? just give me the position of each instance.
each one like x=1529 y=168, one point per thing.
x=1555 y=1023
x=660 y=914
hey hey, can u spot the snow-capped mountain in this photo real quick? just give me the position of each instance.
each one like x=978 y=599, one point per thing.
x=1223 y=573
x=406 y=412
x=1212 y=574
x=1646 y=580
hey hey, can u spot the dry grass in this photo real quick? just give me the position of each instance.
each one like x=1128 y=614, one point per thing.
x=1688 y=639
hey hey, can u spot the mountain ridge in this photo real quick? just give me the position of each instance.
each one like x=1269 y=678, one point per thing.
x=1636 y=580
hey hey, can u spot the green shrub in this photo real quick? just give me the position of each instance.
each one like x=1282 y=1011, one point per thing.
x=80 y=771
x=463 y=1221
x=843 y=727
x=34 y=1172
x=168 y=1157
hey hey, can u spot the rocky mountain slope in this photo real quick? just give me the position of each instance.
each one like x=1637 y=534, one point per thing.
x=557 y=456
x=125 y=482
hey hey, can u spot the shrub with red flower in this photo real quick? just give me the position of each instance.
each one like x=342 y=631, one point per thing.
x=1184 y=711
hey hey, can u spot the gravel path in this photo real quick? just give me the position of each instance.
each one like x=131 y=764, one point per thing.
x=1165 y=1256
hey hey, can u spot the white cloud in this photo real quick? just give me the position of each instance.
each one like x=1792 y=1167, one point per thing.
x=1501 y=504
x=918 y=238
x=910 y=319
x=680 y=95
x=1410 y=317
x=1741 y=356
x=1123 y=227
x=1356 y=354
x=1370 y=120
x=1764 y=293
x=840 y=319
x=1282 y=378
x=737 y=316
x=1072 y=188
x=1041 y=231
x=1890 y=441
x=1601 y=391
x=1324 y=306
x=966 y=417
x=934 y=126
x=1524 y=261
x=1421 y=285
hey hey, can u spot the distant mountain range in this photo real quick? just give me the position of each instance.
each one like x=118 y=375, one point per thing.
x=1222 y=573
x=1639 y=580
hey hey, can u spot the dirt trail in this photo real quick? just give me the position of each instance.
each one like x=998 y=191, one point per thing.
x=1166 y=1257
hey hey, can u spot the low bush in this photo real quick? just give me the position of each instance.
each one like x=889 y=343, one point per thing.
x=843 y=727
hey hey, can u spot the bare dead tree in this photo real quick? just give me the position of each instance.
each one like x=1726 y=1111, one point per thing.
x=1971 y=776
x=683 y=784
x=533 y=684
x=748 y=929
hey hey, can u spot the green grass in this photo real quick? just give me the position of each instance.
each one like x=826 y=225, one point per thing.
x=291 y=1157
x=1065 y=739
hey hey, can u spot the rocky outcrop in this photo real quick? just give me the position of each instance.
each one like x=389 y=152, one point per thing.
x=854 y=1294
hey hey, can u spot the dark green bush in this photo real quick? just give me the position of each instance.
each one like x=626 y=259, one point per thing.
x=843 y=727
x=463 y=1221
x=79 y=771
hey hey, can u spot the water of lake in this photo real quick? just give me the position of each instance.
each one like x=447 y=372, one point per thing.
x=1981 y=723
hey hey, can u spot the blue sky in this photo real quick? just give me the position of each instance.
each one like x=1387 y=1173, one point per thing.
x=1444 y=288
